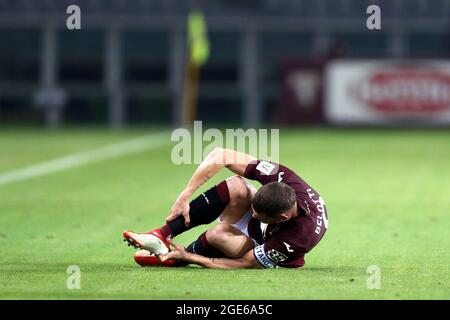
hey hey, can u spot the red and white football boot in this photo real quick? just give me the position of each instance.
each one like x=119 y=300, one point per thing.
x=152 y=241
x=147 y=259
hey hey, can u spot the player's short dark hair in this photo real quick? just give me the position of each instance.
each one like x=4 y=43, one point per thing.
x=273 y=199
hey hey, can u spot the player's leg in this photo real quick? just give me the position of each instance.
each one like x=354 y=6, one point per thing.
x=241 y=195
x=223 y=240
x=230 y=199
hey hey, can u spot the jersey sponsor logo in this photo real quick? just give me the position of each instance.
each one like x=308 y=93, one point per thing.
x=280 y=176
x=276 y=256
x=288 y=247
x=262 y=258
x=265 y=167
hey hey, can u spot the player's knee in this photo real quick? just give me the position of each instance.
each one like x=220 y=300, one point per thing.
x=239 y=191
x=218 y=234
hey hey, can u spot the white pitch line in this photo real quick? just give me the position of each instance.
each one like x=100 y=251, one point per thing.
x=116 y=150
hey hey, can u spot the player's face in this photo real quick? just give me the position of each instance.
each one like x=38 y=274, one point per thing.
x=265 y=219
x=273 y=220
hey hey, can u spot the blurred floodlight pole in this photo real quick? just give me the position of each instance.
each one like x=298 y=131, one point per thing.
x=322 y=43
x=249 y=66
x=198 y=53
x=176 y=63
x=190 y=93
x=398 y=46
x=49 y=56
x=48 y=76
x=113 y=78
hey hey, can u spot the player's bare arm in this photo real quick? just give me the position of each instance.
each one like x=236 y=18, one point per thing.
x=219 y=158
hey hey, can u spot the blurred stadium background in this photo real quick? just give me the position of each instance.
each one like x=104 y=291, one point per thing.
x=310 y=66
x=268 y=59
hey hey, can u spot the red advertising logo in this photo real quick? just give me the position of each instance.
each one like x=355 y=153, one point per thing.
x=405 y=91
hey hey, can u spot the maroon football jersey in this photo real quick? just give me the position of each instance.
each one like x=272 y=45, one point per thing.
x=285 y=244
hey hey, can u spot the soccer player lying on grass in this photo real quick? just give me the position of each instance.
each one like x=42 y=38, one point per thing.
x=274 y=226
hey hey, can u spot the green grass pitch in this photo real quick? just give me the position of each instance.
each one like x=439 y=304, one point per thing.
x=387 y=192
